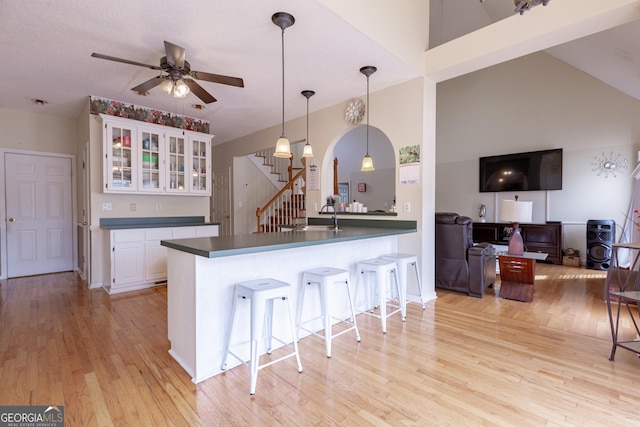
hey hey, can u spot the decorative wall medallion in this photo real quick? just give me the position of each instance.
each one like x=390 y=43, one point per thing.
x=355 y=111
x=609 y=164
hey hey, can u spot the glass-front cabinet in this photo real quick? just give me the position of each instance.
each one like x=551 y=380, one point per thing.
x=151 y=156
x=121 y=157
x=148 y=158
x=200 y=166
x=177 y=163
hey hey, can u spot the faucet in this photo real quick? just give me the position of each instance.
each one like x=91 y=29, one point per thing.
x=335 y=216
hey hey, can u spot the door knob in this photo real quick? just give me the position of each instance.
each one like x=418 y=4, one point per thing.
x=85 y=223
x=12 y=220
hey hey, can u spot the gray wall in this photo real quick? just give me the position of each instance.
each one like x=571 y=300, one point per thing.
x=534 y=103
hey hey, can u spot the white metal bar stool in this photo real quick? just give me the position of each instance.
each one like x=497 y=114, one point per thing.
x=383 y=270
x=262 y=293
x=404 y=261
x=328 y=278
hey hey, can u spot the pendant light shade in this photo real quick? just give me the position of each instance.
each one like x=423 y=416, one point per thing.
x=367 y=164
x=308 y=151
x=367 y=161
x=283 y=20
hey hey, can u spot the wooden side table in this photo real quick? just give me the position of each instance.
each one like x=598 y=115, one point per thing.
x=517 y=277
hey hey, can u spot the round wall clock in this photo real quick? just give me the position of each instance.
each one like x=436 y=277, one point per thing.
x=355 y=111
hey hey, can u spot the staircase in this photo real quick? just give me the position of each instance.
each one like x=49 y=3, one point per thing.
x=287 y=206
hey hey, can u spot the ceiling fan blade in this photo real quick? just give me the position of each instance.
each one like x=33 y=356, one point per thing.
x=198 y=91
x=217 y=78
x=149 y=84
x=124 y=61
x=175 y=54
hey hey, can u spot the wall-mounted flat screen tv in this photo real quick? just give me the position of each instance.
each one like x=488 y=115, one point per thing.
x=532 y=171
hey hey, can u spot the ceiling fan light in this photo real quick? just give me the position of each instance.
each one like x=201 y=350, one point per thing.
x=367 y=164
x=283 y=149
x=180 y=89
x=166 y=86
x=307 y=151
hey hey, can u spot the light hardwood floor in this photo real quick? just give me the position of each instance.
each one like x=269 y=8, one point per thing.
x=462 y=361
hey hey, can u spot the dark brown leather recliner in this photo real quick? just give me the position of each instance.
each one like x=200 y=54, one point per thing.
x=461 y=266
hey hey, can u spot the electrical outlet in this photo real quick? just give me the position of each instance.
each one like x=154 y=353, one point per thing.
x=315 y=206
x=407 y=206
x=157 y=206
x=132 y=207
x=106 y=207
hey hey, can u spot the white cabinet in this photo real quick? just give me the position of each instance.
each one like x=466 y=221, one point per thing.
x=189 y=170
x=151 y=161
x=138 y=260
x=200 y=165
x=148 y=158
x=155 y=255
x=120 y=157
x=128 y=261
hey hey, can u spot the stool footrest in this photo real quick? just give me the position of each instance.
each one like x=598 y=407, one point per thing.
x=322 y=335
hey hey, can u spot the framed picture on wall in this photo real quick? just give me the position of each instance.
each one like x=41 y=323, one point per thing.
x=362 y=187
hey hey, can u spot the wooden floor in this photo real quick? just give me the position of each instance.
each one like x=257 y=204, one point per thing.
x=462 y=361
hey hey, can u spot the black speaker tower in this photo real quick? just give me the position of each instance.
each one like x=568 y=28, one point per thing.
x=601 y=234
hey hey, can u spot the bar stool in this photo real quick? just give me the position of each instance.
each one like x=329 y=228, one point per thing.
x=262 y=293
x=404 y=261
x=383 y=269
x=327 y=278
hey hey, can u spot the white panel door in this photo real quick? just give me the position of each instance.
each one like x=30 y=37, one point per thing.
x=39 y=214
x=222 y=201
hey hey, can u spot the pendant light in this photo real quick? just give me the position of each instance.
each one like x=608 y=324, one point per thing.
x=283 y=20
x=367 y=161
x=307 y=152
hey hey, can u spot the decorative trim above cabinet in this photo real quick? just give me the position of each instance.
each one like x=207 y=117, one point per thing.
x=110 y=107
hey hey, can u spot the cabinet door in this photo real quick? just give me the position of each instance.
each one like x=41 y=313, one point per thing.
x=128 y=257
x=200 y=175
x=156 y=254
x=178 y=163
x=120 y=158
x=150 y=161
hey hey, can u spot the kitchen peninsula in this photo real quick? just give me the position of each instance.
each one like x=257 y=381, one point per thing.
x=202 y=273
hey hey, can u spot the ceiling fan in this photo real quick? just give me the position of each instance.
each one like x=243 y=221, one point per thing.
x=178 y=70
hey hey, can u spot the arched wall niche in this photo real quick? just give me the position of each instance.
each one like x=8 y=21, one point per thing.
x=379 y=185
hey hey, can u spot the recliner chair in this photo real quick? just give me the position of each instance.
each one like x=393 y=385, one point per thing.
x=461 y=266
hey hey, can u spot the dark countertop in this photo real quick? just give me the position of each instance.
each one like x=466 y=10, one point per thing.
x=153 y=222
x=215 y=247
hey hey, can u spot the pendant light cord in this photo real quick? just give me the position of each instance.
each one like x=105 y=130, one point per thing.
x=283 y=136
x=367 y=115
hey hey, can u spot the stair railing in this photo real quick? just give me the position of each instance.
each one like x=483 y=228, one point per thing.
x=284 y=206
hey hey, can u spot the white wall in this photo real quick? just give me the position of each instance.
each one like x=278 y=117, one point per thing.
x=251 y=190
x=37 y=132
x=513 y=107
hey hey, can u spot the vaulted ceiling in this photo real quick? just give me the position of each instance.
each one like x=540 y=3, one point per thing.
x=47 y=46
